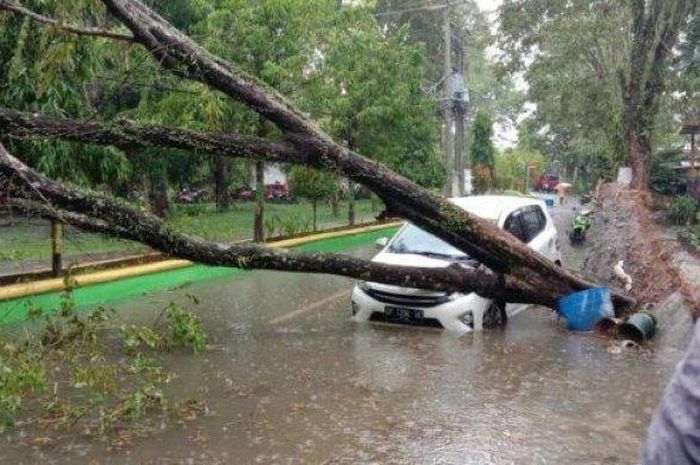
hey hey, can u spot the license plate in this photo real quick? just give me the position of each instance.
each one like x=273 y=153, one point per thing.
x=404 y=314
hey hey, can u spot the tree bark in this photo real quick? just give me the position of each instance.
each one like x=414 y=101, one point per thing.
x=221 y=183
x=160 y=204
x=352 y=145
x=351 y=203
x=640 y=159
x=314 y=205
x=259 y=211
x=335 y=205
x=130 y=136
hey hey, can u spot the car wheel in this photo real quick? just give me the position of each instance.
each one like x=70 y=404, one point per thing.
x=495 y=316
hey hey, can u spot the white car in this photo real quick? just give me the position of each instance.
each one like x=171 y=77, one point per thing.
x=524 y=217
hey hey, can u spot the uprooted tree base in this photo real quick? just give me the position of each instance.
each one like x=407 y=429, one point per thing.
x=625 y=229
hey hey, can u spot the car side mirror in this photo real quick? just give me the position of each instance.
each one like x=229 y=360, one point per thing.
x=381 y=242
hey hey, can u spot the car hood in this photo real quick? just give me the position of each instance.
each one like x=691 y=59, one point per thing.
x=408 y=259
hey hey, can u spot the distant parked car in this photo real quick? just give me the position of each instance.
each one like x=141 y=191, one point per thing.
x=545 y=183
x=191 y=196
x=273 y=192
x=245 y=194
x=277 y=191
x=524 y=217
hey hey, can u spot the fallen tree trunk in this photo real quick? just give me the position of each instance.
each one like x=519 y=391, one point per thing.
x=127 y=134
x=496 y=249
x=103 y=214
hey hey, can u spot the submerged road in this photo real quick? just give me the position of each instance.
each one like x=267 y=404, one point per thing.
x=289 y=379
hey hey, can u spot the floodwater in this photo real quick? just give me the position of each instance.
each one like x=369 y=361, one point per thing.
x=289 y=379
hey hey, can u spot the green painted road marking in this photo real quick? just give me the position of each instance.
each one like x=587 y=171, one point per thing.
x=108 y=293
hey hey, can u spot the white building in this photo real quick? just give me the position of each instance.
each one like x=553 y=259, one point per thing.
x=273 y=174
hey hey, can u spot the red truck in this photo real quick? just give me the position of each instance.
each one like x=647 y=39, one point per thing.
x=545 y=183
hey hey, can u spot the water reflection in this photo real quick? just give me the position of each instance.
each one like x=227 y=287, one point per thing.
x=317 y=388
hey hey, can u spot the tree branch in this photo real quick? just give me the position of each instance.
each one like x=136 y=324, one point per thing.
x=111 y=216
x=77 y=30
x=126 y=134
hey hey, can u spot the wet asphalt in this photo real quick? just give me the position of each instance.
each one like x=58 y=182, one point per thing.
x=289 y=379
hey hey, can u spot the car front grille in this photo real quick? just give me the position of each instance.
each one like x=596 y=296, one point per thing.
x=410 y=300
x=383 y=318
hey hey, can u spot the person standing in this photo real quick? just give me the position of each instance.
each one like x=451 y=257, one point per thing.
x=674 y=433
x=561 y=192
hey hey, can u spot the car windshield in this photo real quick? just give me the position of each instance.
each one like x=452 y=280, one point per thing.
x=412 y=239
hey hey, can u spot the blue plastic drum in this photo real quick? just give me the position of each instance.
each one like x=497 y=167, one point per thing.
x=584 y=309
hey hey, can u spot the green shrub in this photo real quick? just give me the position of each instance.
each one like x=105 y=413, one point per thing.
x=290 y=225
x=682 y=210
x=186 y=329
x=271 y=224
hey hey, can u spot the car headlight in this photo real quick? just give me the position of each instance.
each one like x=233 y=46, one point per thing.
x=467 y=318
x=454 y=296
x=363 y=285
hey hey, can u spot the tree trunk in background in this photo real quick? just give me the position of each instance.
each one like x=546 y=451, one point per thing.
x=56 y=248
x=145 y=191
x=222 y=178
x=335 y=205
x=314 y=205
x=258 y=232
x=640 y=160
x=259 y=213
x=352 y=188
x=655 y=26
x=158 y=197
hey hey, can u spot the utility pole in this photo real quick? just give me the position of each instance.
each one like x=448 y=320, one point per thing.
x=447 y=146
x=459 y=108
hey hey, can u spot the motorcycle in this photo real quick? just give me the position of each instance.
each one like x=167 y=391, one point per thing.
x=579 y=228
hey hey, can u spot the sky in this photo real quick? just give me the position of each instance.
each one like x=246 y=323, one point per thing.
x=503 y=136
x=488 y=5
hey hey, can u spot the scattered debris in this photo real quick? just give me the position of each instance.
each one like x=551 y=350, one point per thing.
x=622 y=276
x=626 y=233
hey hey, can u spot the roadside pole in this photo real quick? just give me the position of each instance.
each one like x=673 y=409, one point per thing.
x=459 y=108
x=447 y=149
x=56 y=248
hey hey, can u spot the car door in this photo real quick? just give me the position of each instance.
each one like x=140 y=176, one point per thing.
x=530 y=225
x=534 y=223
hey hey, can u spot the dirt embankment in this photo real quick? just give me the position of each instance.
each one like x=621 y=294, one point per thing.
x=625 y=229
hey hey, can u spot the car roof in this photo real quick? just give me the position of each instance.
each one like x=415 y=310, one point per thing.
x=491 y=207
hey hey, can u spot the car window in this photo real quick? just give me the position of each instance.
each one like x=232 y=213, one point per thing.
x=533 y=222
x=513 y=226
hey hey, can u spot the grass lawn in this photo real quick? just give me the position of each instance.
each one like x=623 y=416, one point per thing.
x=30 y=240
x=288 y=218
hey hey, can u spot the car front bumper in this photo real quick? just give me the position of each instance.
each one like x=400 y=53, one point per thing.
x=449 y=315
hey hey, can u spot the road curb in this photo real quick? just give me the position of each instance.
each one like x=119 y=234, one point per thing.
x=15 y=291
